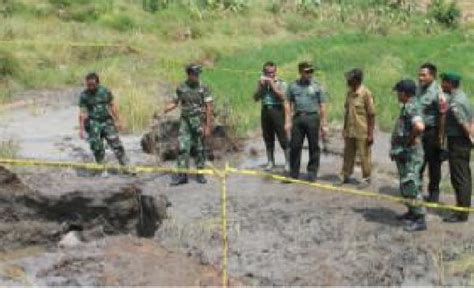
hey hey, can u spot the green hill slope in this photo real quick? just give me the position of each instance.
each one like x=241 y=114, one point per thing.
x=52 y=44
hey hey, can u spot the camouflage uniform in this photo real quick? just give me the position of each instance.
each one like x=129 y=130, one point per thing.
x=100 y=124
x=192 y=97
x=409 y=159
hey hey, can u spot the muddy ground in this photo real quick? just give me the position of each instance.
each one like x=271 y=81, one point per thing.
x=279 y=234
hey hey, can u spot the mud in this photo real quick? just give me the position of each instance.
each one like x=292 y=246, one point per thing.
x=279 y=234
x=30 y=218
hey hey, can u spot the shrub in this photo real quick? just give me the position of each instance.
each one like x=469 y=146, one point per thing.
x=9 y=66
x=155 y=5
x=9 y=149
x=118 y=21
x=447 y=14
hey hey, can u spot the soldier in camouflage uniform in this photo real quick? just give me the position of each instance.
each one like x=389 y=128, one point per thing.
x=196 y=104
x=99 y=118
x=407 y=152
x=459 y=131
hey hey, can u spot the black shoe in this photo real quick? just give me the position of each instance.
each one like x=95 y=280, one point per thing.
x=179 y=179
x=430 y=199
x=201 y=179
x=455 y=218
x=342 y=182
x=416 y=225
x=312 y=177
x=289 y=178
x=406 y=217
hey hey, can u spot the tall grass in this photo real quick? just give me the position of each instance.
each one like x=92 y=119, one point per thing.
x=385 y=60
x=155 y=46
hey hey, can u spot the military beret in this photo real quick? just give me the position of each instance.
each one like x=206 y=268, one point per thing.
x=407 y=86
x=194 y=69
x=450 y=76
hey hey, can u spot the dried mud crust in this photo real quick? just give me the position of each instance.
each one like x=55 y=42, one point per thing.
x=30 y=218
x=285 y=234
x=278 y=234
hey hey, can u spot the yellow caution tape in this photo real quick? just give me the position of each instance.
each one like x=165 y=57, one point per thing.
x=222 y=173
x=99 y=167
x=330 y=187
x=225 y=241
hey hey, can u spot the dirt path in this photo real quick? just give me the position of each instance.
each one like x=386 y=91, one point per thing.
x=279 y=234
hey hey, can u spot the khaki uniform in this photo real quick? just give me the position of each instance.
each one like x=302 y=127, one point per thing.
x=359 y=106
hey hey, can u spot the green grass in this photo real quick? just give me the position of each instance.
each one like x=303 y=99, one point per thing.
x=385 y=60
x=153 y=47
x=9 y=149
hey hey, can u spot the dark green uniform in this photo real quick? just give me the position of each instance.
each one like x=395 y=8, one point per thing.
x=306 y=99
x=459 y=146
x=192 y=97
x=273 y=118
x=409 y=159
x=428 y=99
x=100 y=124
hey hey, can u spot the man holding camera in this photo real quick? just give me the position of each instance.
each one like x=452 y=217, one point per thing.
x=275 y=119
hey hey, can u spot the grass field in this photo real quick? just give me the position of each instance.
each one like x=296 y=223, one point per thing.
x=385 y=60
x=43 y=47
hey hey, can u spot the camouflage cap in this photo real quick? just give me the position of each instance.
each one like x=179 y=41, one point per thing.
x=407 y=86
x=450 y=76
x=194 y=69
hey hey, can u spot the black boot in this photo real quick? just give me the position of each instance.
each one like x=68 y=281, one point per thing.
x=456 y=218
x=179 y=179
x=312 y=176
x=408 y=216
x=201 y=179
x=416 y=225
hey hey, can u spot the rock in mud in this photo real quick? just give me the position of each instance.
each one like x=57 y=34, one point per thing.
x=70 y=240
x=162 y=140
x=29 y=218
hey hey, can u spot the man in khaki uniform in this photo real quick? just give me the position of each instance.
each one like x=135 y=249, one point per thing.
x=359 y=122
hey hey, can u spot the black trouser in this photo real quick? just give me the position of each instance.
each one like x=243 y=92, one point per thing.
x=461 y=179
x=433 y=161
x=273 y=122
x=304 y=125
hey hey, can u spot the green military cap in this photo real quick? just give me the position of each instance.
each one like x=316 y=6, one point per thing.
x=450 y=76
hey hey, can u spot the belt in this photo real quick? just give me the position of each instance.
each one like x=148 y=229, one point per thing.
x=276 y=106
x=303 y=113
